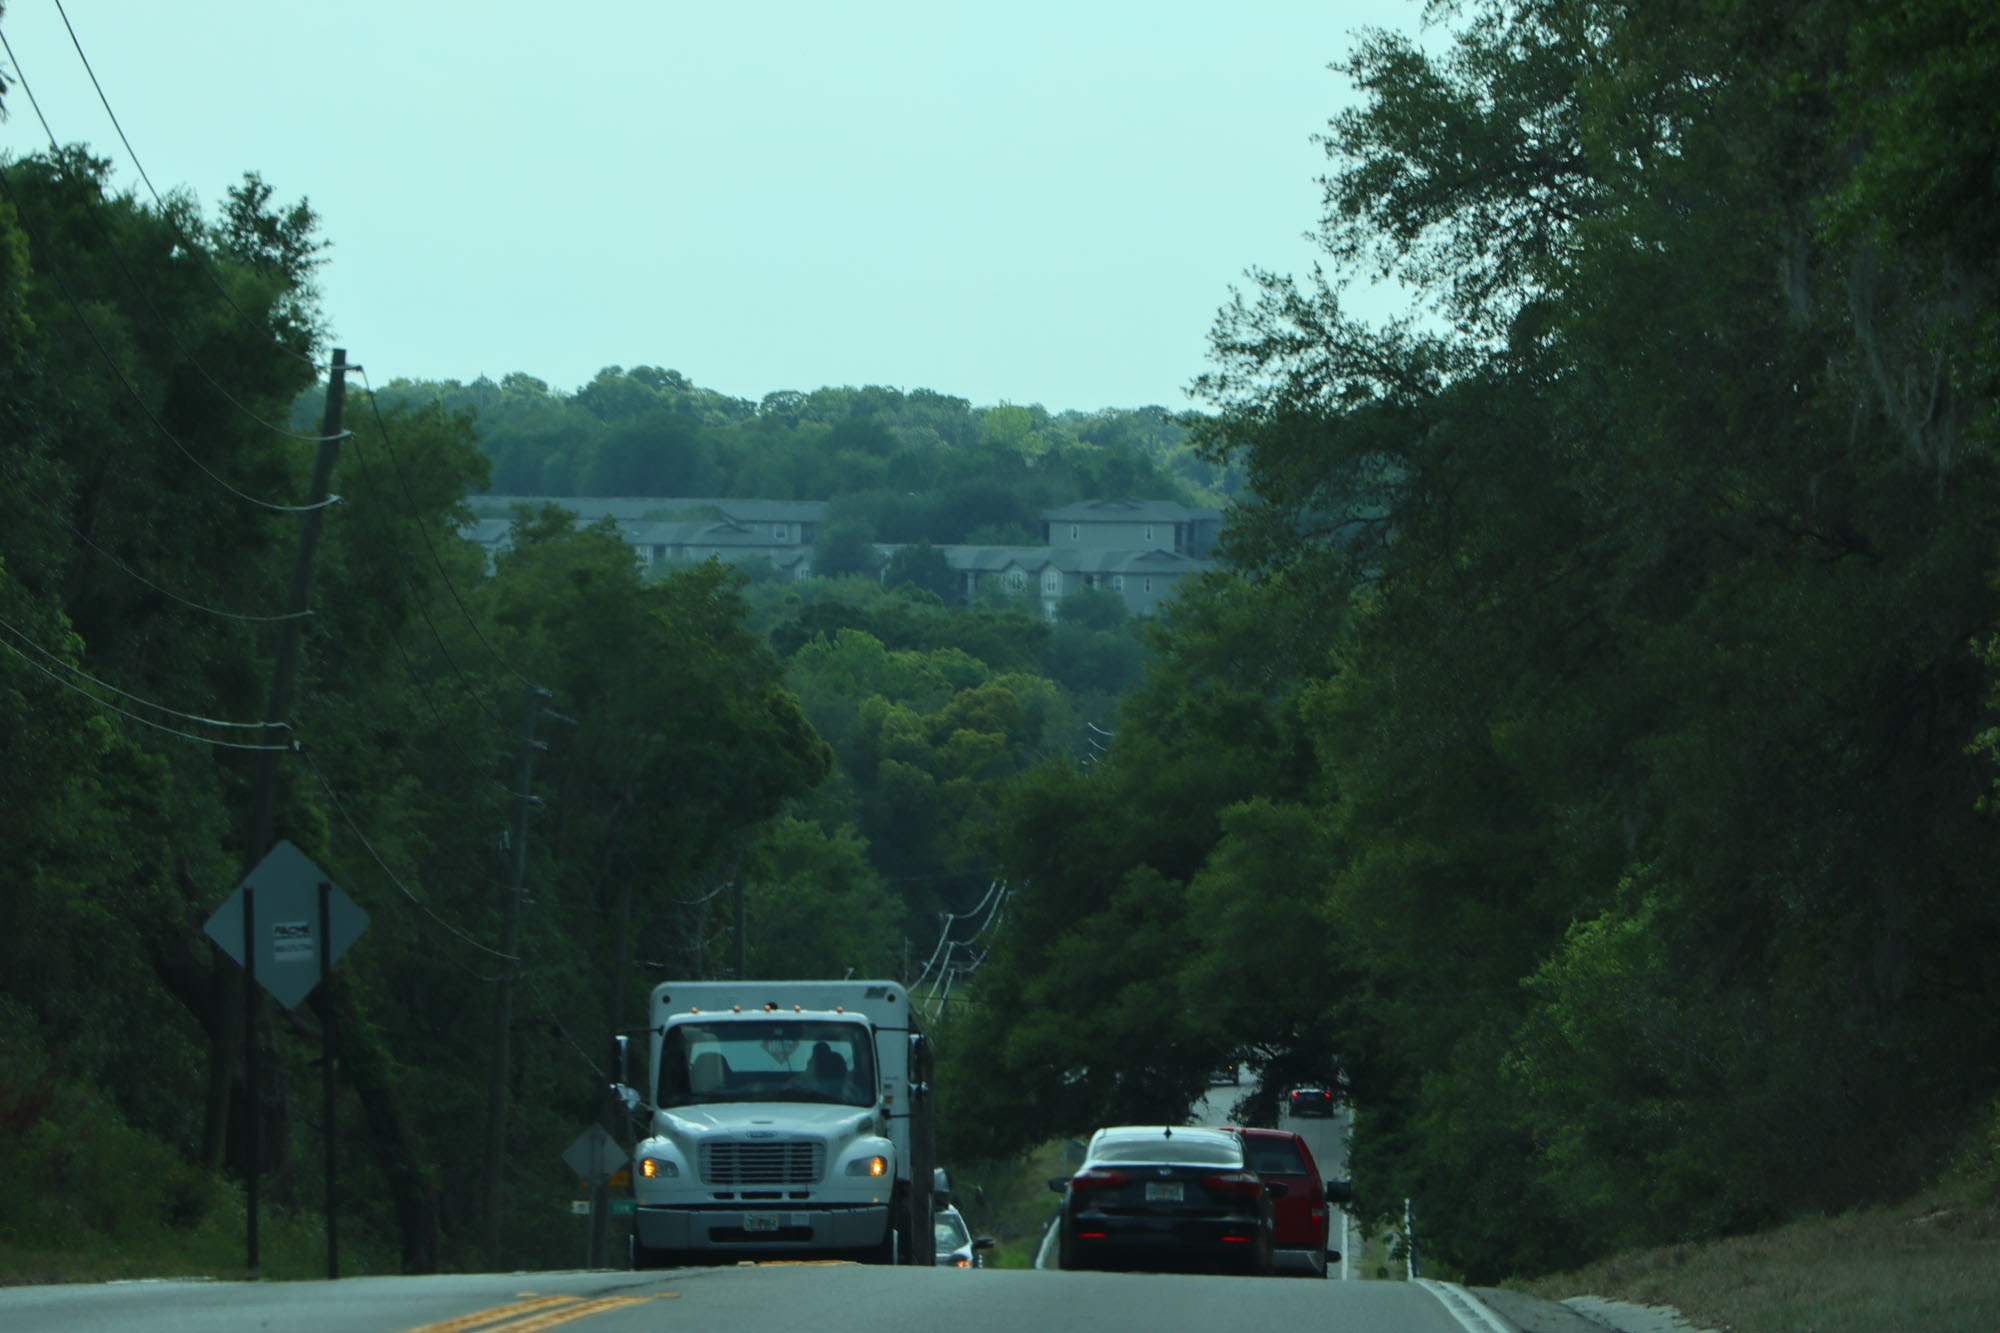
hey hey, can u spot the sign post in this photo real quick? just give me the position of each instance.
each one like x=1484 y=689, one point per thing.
x=286 y=925
x=253 y=1120
x=595 y=1156
x=326 y=1078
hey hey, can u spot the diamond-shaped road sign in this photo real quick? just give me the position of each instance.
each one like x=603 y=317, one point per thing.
x=595 y=1153
x=287 y=923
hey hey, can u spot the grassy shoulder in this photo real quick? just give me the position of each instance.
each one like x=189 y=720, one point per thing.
x=1931 y=1265
x=1010 y=1201
x=89 y=1198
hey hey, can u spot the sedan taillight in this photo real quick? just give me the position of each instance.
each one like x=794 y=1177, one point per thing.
x=1236 y=1182
x=1095 y=1179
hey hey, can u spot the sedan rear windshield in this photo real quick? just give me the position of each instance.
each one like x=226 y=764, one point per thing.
x=1276 y=1157
x=1173 y=1152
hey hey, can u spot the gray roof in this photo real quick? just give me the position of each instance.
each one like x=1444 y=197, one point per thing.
x=696 y=534
x=1127 y=510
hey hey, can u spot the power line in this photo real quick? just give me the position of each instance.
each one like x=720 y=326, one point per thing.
x=369 y=847
x=76 y=308
x=129 y=572
x=403 y=575
x=444 y=727
x=389 y=447
x=111 y=248
x=131 y=716
x=946 y=946
x=141 y=700
x=133 y=153
x=548 y=1011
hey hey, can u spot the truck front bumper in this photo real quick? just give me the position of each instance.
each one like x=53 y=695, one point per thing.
x=726 y=1227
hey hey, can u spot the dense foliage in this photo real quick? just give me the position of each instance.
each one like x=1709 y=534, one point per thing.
x=831 y=750
x=1588 y=762
x=898 y=467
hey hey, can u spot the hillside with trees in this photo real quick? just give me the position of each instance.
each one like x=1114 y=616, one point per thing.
x=899 y=467
x=832 y=752
x=1586 y=760
x=1589 y=761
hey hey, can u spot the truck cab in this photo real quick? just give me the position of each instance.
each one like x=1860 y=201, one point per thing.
x=783 y=1119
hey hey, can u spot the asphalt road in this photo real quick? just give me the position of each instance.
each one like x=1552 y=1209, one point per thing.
x=771 y=1298
x=1326 y=1136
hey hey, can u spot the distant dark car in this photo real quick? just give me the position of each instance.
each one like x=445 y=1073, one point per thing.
x=1229 y=1076
x=1311 y=1101
x=955 y=1246
x=1159 y=1196
x=1301 y=1213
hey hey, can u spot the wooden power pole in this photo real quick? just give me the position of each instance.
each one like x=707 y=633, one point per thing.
x=234 y=1015
x=503 y=987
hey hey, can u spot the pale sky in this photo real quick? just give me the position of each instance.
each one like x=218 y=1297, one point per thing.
x=1016 y=201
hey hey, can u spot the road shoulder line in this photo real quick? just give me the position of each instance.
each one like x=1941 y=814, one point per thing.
x=1471 y=1313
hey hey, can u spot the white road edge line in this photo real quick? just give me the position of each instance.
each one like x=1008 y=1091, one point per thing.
x=1466 y=1308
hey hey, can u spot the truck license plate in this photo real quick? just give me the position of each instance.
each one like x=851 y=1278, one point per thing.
x=760 y=1221
x=1168 y=1192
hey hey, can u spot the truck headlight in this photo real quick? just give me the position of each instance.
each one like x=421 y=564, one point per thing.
x=655 y=1167
x=868 y=1166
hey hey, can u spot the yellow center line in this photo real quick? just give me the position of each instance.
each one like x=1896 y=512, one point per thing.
x=550 y=1318
x=494 y=1315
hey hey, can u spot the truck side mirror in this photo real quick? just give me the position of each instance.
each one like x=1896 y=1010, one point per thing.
x=983 y=1243
x=1059 y=1184
x=920 y=1067
x=1340 y=1191
x=621 y=1060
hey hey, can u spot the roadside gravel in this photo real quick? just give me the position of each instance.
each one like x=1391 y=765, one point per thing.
x=1582 y=1314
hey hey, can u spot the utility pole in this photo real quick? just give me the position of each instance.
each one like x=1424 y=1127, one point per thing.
x=234 y=1012
x=503 y=986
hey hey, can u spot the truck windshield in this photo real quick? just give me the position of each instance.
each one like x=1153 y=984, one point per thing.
x=767 y=1060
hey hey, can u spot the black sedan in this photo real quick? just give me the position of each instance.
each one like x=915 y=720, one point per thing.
x=1312 y=1101
x=1164 y=1196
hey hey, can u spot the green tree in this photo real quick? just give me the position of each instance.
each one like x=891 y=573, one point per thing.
x=845 y=548
x=922 y=566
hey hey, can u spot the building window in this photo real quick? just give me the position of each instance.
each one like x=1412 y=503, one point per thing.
x=1072 y=532
x=1052 y=581
x=1149 y=532
x=1118 y=582
x=1149 y=583
x=659 y=553
x=1017 y=579
x=778 y=531
x=803 y=572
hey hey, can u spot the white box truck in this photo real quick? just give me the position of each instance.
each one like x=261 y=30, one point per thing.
x=783 y=1118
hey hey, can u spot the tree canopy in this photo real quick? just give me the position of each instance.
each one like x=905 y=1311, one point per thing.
x=1620 y=686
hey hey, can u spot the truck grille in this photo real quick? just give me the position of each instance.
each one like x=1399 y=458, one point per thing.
x=800 y=1162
